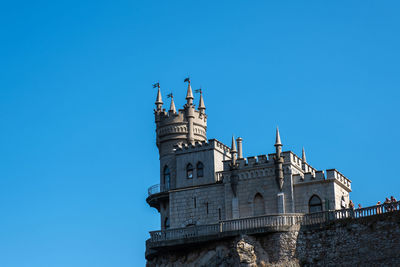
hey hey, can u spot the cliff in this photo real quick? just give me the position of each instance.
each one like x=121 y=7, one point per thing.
x=368 y=241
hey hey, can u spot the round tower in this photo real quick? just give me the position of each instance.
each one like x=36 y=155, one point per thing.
x=186 y=126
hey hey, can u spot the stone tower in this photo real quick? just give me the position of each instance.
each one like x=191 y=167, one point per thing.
x=184 y=127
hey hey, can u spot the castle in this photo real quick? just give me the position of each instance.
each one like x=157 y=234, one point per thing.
x=204 y=181
x=219 y=208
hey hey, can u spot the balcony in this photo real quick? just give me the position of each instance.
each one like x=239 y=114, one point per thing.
x=157 y=189
x=156 y=194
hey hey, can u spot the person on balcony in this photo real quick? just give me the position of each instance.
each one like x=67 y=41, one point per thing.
x=394 y=203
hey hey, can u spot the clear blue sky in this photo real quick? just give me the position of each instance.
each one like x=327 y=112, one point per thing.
x=77 y=133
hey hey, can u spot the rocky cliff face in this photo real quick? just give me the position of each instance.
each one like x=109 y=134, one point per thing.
x=243 y=251
x=370 y=241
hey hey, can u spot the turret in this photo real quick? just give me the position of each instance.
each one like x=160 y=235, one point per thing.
x=179 y=127
x=172 y=109
x=278 y=160
x=189 y=108
x=201 y=107
x=159 y=102
x=278 y=144
x=189 y=94
x=233 y=151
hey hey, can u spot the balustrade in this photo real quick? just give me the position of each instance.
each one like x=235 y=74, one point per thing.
x=261 y=222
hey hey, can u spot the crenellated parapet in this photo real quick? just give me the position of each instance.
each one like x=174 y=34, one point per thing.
x=202 y=146
x=302 y=172
x=187 y=125
x=333 y=174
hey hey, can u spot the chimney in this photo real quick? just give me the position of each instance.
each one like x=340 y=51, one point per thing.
x=240 y=149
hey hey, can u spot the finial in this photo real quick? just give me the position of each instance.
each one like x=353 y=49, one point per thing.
x=304 y=156
x=189 y=94
x=172 y=106
x=278 y=138
x=159 y=102
x=202 y=107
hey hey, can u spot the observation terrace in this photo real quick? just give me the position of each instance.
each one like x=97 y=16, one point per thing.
x=257 y=225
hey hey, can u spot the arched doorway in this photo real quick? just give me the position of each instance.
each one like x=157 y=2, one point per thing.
x=315 y=204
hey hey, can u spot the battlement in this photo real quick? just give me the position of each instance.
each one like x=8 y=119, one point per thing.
x=336 y=175
x=201 y=146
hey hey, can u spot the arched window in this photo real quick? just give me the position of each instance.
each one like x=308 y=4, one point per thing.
x=200 y=169
x=259 y=206
x=167 y=178
x=189 y=171
x=315 y=204
x=166 y=223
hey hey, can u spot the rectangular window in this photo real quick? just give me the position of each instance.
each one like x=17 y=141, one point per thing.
x=194 y=202
x=219 y=214
x=207 y=207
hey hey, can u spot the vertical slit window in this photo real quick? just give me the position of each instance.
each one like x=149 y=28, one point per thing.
x=167 y=178
x=200 y=169
x=189 y=171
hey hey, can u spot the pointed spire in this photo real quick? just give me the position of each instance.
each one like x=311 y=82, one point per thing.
x=304 y=156
x=189 y=94
x=278 y=138
x=159 y=101
x=202 y=107
x=233 y=151
x=233 y=147
x=172 y=108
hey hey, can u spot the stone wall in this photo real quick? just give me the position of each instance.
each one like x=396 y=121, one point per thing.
x=370 y=241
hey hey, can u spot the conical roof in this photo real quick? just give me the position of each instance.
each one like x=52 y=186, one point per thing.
x=158 y=99
x=172 y=106
x=304 y=156
x=278 y=138
x=201 y=102
x=189 y=94
x=233 y=147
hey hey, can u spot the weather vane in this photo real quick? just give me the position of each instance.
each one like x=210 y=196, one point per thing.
x=156 y=85
x=187 y=80
x=170 y=95
x=198 y=91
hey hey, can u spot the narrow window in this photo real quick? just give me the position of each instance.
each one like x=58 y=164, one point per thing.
x=207 y=207
x=219 y=214
x=315 y=204
x=194 y=202
x=167 y=178
x=259 y=206
x=200 y=169
x=189 y=171
x=166 y=223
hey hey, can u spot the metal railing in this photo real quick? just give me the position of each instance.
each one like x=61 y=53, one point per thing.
x=157 y=188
